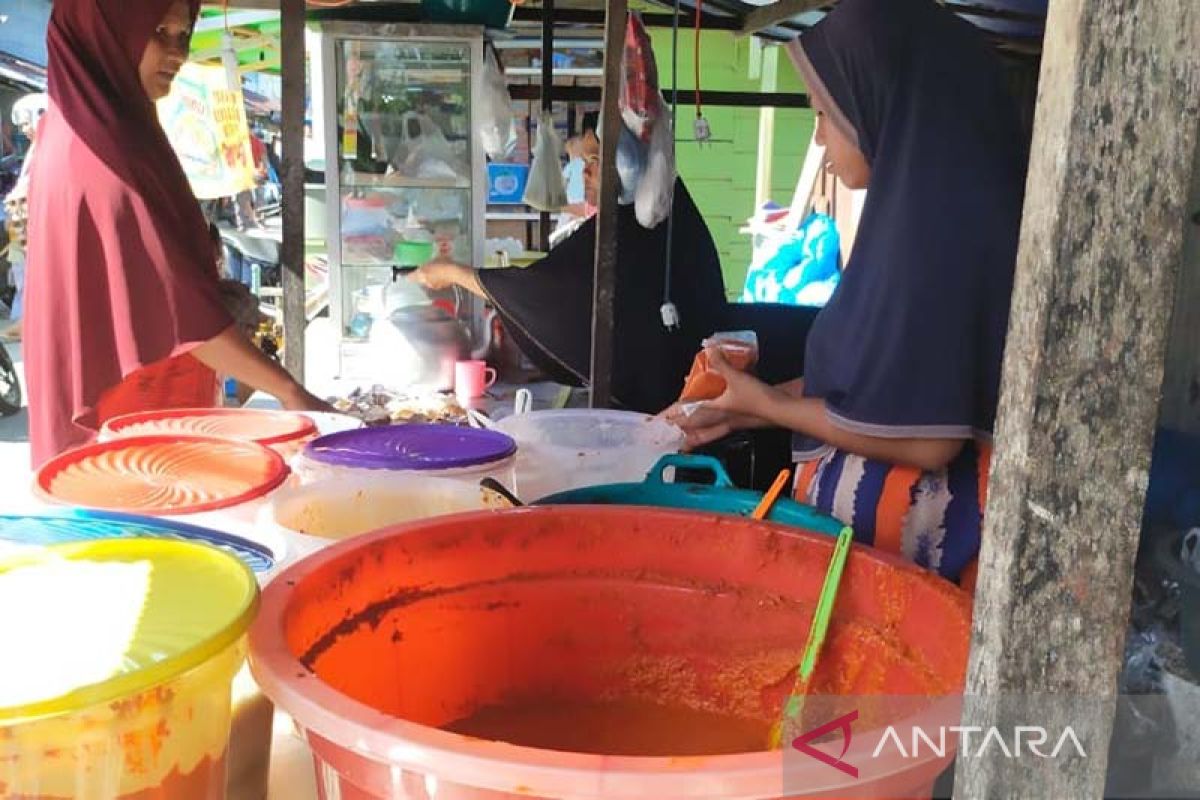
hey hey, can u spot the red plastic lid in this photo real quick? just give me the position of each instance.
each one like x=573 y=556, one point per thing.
x=162 y=475
x=245 y=424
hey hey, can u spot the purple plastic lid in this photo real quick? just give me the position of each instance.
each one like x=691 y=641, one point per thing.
x=411 y=447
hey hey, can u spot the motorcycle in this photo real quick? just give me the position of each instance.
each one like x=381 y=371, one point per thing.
x=253 y=260
x=10 y=385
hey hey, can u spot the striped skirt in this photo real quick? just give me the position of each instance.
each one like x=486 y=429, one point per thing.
x=934 y=519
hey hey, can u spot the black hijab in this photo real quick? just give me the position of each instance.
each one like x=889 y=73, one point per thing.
x=912 y=341
x=547 y=307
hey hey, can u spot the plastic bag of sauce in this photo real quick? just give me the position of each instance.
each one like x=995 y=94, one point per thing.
x=740 y=349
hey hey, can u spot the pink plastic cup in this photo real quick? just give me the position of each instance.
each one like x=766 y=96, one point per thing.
x=471 y=380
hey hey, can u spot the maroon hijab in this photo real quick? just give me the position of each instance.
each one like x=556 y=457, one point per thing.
x=121 y=271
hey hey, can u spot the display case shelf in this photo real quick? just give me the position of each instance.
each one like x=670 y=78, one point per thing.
x=357 y=180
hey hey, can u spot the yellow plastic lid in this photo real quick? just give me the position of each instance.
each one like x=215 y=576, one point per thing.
x=92 y=622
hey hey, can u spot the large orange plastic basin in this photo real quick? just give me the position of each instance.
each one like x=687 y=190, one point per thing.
x=374 y=643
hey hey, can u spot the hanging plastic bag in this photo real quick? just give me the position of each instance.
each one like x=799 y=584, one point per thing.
x=639 y=104
x=495 y=123
x=631 y=165
x=545 y=189
x=656 y=190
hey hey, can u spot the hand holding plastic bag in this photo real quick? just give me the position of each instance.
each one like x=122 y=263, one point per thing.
x=495 y=123
x=545 y=190
x=656 y=190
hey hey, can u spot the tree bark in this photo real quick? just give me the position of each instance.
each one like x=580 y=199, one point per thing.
x=295 y=319
x=1114 y=154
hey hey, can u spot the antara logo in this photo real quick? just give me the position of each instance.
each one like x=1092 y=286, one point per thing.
x=1026 y=739
x=1031 y=740
x=842 y=723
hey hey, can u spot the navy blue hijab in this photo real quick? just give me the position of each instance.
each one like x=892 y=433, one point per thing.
x=912 y=341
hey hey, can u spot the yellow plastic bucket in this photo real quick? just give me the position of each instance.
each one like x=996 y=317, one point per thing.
x=119 y=658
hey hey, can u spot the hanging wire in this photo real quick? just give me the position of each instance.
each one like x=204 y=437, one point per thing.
x=674 y=138
x=695 y=57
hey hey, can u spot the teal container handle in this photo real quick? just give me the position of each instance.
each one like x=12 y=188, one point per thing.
x=684 y=461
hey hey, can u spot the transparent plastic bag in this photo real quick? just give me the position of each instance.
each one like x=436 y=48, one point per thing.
x=545 y=189
x=631 y=165
x=639 y=80
x=495 y=123
x=740 y=349
x=656 y=190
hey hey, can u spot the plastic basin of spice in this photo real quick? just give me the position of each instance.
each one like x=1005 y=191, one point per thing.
x=376 y=645
x=339 y=509
x=165 y=476
x=573 y=448
x=282 y=431
x=429 y=450
x=250 y=737
x=117 y=672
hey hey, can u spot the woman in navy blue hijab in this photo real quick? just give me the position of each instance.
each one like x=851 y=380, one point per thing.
x=902 y=370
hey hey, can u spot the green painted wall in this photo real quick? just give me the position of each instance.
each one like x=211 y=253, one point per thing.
x=721 y=175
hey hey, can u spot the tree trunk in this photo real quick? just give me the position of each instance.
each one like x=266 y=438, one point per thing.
x=1114 y=153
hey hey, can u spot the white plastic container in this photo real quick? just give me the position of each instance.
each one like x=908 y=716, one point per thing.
x=573 y=448
x=339 y=509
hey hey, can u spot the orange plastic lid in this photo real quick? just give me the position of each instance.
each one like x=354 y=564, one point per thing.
x=162 y=475
x=247 y=424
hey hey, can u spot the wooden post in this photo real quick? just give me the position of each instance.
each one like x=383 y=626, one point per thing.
x=1114 y=155
x=766 y=130
x=547 y=100
x=606 y=217
x=292 y=253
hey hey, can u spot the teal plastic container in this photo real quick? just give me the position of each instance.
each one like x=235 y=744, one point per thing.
x=489 y=13
x=720 y=497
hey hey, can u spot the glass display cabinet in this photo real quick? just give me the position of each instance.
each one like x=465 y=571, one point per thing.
x=405 y=177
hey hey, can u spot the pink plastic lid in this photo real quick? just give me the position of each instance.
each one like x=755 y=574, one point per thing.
x=162 y=475
x=246 y=424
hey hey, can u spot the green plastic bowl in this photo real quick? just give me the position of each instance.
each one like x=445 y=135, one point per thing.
x=413 y=254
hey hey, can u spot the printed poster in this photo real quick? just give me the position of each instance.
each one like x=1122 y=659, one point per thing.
x=205 y=122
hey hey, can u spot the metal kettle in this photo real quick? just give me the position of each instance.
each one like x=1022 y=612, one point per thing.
x=424 y=342
x=417 y=345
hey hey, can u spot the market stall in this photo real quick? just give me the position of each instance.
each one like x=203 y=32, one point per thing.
x=414 y=660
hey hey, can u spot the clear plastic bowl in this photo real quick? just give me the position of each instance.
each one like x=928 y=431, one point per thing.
x=574 y=448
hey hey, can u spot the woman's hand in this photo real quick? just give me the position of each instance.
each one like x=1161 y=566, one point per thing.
x=300 y=399
x=744 y=394
x=744 y=404
x=440 y=274
x=707 y=424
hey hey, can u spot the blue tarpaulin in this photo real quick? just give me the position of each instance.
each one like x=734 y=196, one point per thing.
x=23 y=29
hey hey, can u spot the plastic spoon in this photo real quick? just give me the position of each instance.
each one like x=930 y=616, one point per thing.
x=493 y=485
x=816 y=636
x=764 y=505
x=479 y=420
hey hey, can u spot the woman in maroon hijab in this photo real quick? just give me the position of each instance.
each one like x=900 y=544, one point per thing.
x=124 y=300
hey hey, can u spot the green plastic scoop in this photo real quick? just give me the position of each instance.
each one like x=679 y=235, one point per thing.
x=816 y=635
